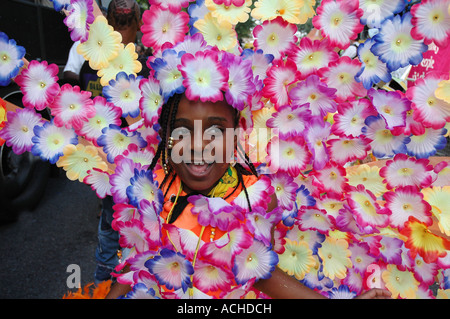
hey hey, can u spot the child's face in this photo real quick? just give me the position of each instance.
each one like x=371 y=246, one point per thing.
x=199 y=133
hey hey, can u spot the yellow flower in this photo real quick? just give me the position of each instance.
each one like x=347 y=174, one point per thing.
x=297 y=259
x=400 y=283
x=229 y=13
x=306 y=11
x=289 y=10
x=126 y=62
x=368 y=176
x=335 y=257
x=102 y=45
x=78 y=159
x=443 y=91
x=215 y=33
x=441 y=293
x=439 y=199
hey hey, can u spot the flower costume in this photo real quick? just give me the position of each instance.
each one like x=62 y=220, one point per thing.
x=310 y=118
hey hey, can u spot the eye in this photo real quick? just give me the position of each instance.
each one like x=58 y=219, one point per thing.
x=180 y=132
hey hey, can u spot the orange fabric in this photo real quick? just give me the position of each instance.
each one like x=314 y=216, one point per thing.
x=187 y=220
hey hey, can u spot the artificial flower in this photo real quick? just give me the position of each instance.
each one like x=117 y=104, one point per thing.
x=342 y=292
x=340 y=75
x=269 y=10
x=411 y=126
x=260 y=61
x=240 y=80
x=442 y=173
x=424 y=272
x=285 y=189
x=276 y=37
x=49 y=141
x=204 y=77
x=390 y=250
x=151 y=100
x=115 y=141
x=260 y=223
x=431 y=22
x=2 y=118
x=197 y=11
x=18 y=130
x=350 y=117
x=142 y=186
x=335 y=257
x=297 y=259
x=175 y=5
x=306 y=11
x=315 y=219
x=427 y=144
x=348 y=149
x=421 y=241
x=373 y=70
x=72 y=107
x=394 y=44
x=443 y=91
x=256 y=262
x=368 y=176
x=360 y=257
x=392 y=106
x=233 y=14
x=313 y=55
x=126 y=61
x=438 y=198
x=316 y=135
x=102 y=45
x=376 y=12
x=140 y=291
x=120 y=179
x=39 y=84
x=161 y=26
x=259 y=194
x=384 y=143
x=289 y=121
x=289 y=155
x=168 y=74
x=368 y=214
x=79 y=159
x=143 y=156
x=403 y=170
x=280 y=76
x=303 y=198
x=133 y=234
x=11 y=61
x=99 y=181
x=318 y=95
x=331 y=178
x=429 y=110
x=331 y=202
x=124 y=92
x=59 y=5
x=400 y=283
x=211 y=277
x=217 y=33
x=338 y=20
x=106 y=113
x=79 y=18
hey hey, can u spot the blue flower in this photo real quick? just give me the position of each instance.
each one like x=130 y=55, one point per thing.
x=373 y=70
x=58 y=5
x=124 y=92
x=343 y=292
x=196 y=11
x=140 y=291
x=144 y=187
x=11 y=56
x=49 y=141
x=427 y=144
x=167 y=73
x=394 y=44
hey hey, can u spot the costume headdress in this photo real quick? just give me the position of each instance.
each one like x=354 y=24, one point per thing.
x=341 y=228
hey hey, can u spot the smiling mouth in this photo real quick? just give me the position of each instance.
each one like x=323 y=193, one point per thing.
x=199 y=169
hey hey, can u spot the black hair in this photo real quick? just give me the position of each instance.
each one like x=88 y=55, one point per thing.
x=166 y=122
x=122 y=13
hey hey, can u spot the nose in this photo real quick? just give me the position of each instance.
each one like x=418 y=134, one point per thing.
x=197 y=142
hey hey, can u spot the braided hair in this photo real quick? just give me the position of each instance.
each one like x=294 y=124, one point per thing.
x=122 y=13
x=166 y=122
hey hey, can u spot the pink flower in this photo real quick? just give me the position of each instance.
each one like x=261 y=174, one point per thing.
x=79 y=18
x=312 y=218
x=340 y=75
x=339 y=21
x=99 y=181
x=285 y=189
x=39 y=84
x=280 y=76
x=407 y=201
x=174 y=5
x=392 y=106
x=350 y=117
x=403 y=170
x=331 y=178
x=316 y=135
x=161 y=26
x=431 y=21
x=276 y=37
x=133 y=235
x=204 y=77
x=72 y=107
x=429 y=110
x=313 y=55
x=290 y=121
x=260 y=223
x=348 y=149
x=317 y=94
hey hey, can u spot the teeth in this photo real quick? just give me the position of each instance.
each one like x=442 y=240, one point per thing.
x=199 y=164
